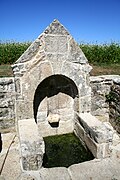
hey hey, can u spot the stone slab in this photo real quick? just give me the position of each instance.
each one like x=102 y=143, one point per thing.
x=59 y=173
x=9 y=157
x=32 y=145
x=100 y=132
x=106 y=169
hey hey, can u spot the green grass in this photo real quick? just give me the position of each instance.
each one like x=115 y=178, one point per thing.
x=64 y=150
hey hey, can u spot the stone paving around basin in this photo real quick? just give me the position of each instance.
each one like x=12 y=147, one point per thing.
x=97 y=169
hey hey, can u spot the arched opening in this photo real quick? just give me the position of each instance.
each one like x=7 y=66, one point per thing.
x=56 y=89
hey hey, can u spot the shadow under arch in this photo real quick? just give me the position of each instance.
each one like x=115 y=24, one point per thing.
x=51 y=86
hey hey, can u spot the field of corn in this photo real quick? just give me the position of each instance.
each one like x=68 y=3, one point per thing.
x=104 y=58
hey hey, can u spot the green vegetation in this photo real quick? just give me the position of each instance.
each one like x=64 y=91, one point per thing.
x=11 y=51
x=96 y=54
x=64 y=150
x=112 y=97
x=102 y=54
x=105 y=58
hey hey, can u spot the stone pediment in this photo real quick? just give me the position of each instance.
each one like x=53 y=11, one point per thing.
x=55 y=45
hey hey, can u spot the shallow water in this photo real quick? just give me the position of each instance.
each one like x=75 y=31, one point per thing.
x=64 y=150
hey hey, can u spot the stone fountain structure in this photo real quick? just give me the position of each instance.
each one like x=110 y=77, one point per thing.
x=53 y=96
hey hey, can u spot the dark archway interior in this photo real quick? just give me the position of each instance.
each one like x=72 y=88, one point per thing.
x=52 y=86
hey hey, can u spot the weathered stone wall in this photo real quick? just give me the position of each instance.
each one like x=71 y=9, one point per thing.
x=104 y=88
x=7 y=104
x=101 y=87
x=114 y=104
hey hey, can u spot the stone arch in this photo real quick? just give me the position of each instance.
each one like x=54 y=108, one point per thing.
x=52 y=86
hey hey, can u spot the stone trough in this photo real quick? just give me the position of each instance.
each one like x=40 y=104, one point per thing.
x=99 y=138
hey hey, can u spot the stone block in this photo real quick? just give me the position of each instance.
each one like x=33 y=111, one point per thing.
x=7 y=85
x=79 y=131
x=17 y=85
x=41 y=116
x=73 y=71
x=33 y=78
x=65 y=101
x=26 y=176
x=57 y=44
x=56 y=61
x=59 y=101
x=53 y=118
x=58 y=173
x=29 y=53
x=66 y=112
x=116 y=151
x=116 y=139
x=99 y=151
x=7 y=104
x=32 y=145
x=84 y=90
x=75 y=53
x=85 y=104
x=95 y=170
x=43 y=105
x=67 y=117
x=100 y=132
x=24 y=109
x=65 y=127
x=56 y=28
x=92 y=146
x=46 y=130
x=103 y=150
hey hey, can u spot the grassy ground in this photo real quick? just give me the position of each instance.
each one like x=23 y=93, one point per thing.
x=6 y=70
x=105 y=69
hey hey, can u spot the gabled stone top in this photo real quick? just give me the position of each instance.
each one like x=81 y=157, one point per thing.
x=55 y=43
x=56 y=28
